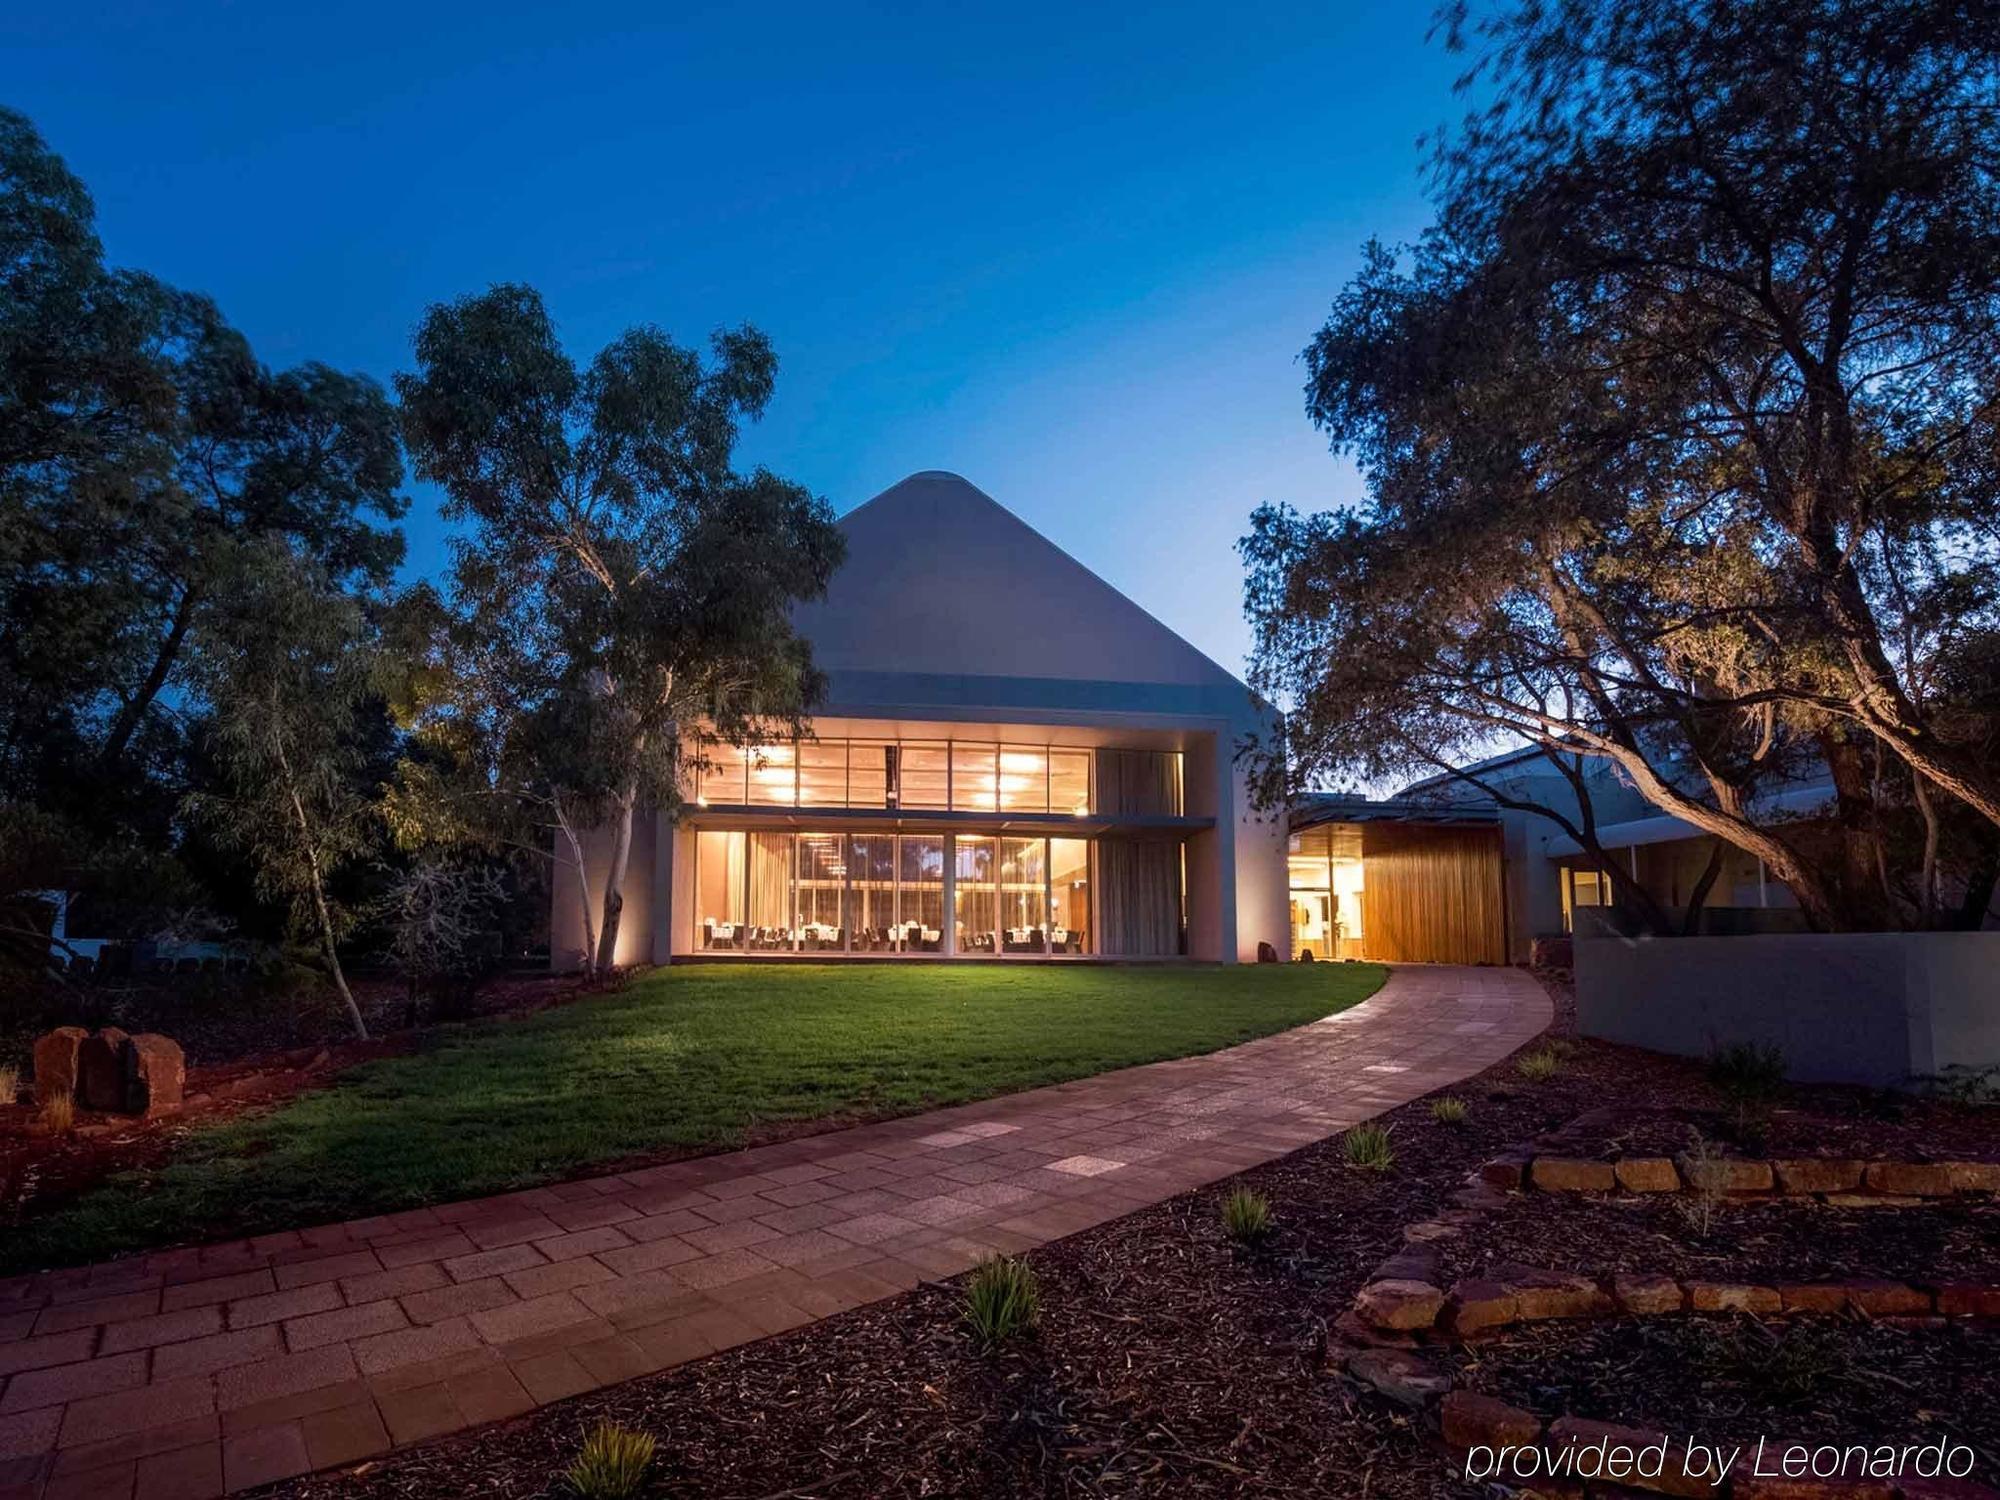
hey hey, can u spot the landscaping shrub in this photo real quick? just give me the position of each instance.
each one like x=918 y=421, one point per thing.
x=1003 y=1297
x=10 y=1083
x=1450 y=1110
x=1543 y=1063
x=1699 y=1203
x=611 y=1463
x=1246 y=1214
x=1367 y=1147
x=1750 y=1077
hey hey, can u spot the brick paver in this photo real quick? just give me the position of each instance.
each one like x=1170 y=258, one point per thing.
x=198 y=1371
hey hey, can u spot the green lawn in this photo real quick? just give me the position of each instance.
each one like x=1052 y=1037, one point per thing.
x=688 y=1057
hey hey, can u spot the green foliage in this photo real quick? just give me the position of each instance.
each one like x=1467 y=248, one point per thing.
x=1367 y=1147
x=612 y=1463
x=691 y=1057
x=1246 y=1215
x=1538 y=1065
x=621 y=580
x=291 y=691
x=1747 y=1071
x=1659 y=378
x=1450 y=1110
x=1003 y=1298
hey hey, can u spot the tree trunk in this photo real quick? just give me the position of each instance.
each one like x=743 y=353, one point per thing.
x=1928 y=908
x=1859 y=833
x=575 y=842
x=614 y=878
x=320 y=911
x=1698 y=897
x=127 y=722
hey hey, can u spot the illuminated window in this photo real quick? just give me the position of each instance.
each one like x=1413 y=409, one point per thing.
x=975 y=778
x=1069 y=781
x=923 y=775
x=1024 y=779
x=774 y=776
x=822 y=773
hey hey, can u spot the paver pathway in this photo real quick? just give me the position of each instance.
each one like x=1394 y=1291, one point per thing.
x=193 y=1372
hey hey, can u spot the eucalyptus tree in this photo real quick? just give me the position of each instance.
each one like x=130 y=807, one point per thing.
x=1680 y=429
x=641 y=584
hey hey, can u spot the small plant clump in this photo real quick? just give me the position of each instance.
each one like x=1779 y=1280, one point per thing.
x=1786 y=1367
x=611 y=1463
x=10 y=1084
x=1698 y=1206
x=1003 y=1297
x=59 y=1114
x=1246 y=1214
x=1367 y=1147
x=1750 y=1077
x=1541 y=1064
x=1450 y=1110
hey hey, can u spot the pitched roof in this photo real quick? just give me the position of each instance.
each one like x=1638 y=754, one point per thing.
x=941 y=579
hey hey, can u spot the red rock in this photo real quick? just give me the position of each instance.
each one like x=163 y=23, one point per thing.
x=155 y=1074
x=1412 y=1263
x=1571 y=1174
x=1828 y=1297
x=1812 y=1174
x=1647 y=1174
x=1974 y=1176
x=1506 y=1171
x=1399 y=1305
x=1398 y=1375
x=1968 y=1300
x=1727 y=1174
x=1730 y=1296
x=1541 y=1295
x=1871 y=1200
x=1471 y=1420
x=56 y=1063
x=100 y=1065
x=1478 y=1304
x=1888 y=1299
x=1911 y=1178
x=1647 y=1296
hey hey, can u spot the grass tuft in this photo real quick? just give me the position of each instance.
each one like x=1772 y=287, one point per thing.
x=59 y=1114
x=10 y=1084
x=1003 y=1298
x=611 y=1463
x=1541 y=1064
x=1450 y=1110
x=1246 y=1214
x=1367 y=1147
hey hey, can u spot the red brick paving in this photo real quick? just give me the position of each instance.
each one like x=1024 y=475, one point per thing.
x=198 y=1371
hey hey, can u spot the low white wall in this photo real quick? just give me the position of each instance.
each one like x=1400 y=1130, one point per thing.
x=1871 y=1007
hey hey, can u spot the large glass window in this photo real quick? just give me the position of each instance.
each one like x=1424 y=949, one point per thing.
x=871 y=911
x=920 y=898
x=973 y=906
x=1024 y=895
x=924 y=776
x=774 y=776
x=870 y=768
x=1069 y=895
x=821 y=892
x=975 y=778
x=1069 y=781
x=719 y=921
x=965 y=775
x=822 y=773
x=1024 y=779
x=770 y=904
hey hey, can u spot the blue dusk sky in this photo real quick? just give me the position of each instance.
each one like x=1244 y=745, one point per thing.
x=1071 y=253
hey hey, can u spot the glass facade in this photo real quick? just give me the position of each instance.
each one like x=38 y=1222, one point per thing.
x=1326 y=885
x=779 y=892
x=923 y=776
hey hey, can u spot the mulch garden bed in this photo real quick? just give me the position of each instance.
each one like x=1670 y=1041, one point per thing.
x=1811 y=1380
x=1841 y=1124
x=1762 y=1241
x=1169 y=1361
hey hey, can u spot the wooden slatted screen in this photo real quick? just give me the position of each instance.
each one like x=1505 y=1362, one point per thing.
x=1432 y=895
